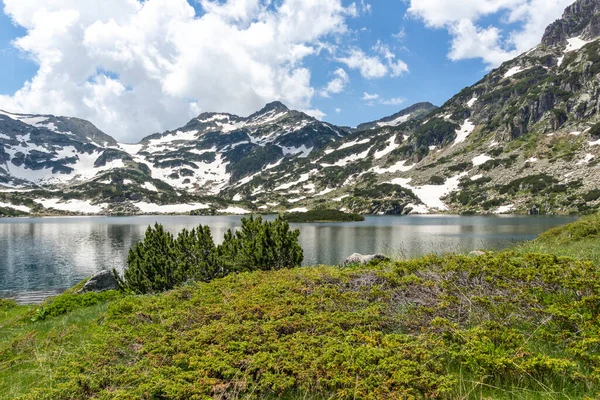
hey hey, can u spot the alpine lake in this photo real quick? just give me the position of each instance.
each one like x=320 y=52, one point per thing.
x=41 y=257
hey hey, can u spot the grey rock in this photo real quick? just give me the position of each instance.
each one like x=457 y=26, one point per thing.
x=357 y=258
x=100 y=282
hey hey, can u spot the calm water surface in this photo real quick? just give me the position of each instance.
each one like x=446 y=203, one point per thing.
x=43 y=256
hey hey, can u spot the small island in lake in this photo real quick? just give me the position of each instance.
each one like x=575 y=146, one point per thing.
x=322 y=216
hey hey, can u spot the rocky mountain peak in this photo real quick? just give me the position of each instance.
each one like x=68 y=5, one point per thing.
x=579 y=19
x=415 y=111
x=275 y=105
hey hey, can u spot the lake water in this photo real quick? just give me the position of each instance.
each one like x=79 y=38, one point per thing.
x=43 y=256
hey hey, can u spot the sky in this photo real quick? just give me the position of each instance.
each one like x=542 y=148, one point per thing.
x=138 y=67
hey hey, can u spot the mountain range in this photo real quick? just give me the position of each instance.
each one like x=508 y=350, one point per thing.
x=524 y=139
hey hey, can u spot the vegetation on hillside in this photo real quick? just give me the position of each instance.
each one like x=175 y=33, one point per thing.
x=322 y=216
x=510 y=325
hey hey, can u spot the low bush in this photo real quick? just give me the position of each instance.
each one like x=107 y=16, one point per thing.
x=68 y=302
x=161 y=262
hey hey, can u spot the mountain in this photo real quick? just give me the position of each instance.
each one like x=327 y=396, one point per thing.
x=418 y=110
x=526 y=139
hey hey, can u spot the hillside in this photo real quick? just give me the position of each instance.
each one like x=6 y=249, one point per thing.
x=503 y=326
x=524 y=139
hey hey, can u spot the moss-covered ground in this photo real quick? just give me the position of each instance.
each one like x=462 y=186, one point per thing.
x=521 y=324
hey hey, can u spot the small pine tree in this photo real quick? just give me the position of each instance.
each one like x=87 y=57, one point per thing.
x=261 y=246
x=196 y=255
x=151 y=263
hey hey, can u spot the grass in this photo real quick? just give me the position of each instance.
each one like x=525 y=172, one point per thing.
x=579 y=240
x=510 y=325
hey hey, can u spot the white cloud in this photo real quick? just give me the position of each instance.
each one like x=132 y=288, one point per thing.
x=524 y=22
x=393 y=101
x=401 y=35
x=134 y=67
x=372 y=67
x=337 y=84
x=372 y=99
x=315 y=113
x=338 y=110
x=369 y=97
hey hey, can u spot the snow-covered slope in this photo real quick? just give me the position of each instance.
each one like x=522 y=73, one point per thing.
x=47 y=150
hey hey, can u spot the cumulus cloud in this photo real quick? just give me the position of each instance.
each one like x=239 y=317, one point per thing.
x=522 y=24
x=373 y=99
x=393 y=101
x=373 y=66
x=337 y=84
x=134 y=67
x=370 y=97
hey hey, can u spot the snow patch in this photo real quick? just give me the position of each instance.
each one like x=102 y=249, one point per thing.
x=297 y=200
x=302 y=151
x=575 y=43
x=237 y=197
x=418 y=209
x=472 y=102
x=347 y=160
x=463 y=132
x=513 y=71
x=480 y=160
x=81 y=206
x=596 y=143
x=505 y=209
x=431 y=195
x=15 y=207
x=324 y=192
x=476 y=177
x=391 y=146
x=341 y=197
x=303 y=178
x=150 y=186
x=532 y=160
x=298 y=210
x=131 y=149
x=398 y=167
x=354 y=143
x=575 y=133
x=396 y=122
x=234 y=211
x=153 y=208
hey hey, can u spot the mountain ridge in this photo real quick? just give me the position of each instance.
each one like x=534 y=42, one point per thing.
x=523 y=139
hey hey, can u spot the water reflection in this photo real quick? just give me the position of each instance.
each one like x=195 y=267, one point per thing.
x=41 y=256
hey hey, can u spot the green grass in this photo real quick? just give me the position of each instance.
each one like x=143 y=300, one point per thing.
x=580 y=240
x=510 y=325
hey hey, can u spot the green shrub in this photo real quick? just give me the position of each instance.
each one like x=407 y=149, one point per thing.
x=595 y=131
x=260 y=246
x=592 y=195
x=323 y=216
x=437 y=180
x=67 y=302
x=160 y=262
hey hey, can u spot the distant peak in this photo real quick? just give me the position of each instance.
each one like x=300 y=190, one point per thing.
x=275 y=105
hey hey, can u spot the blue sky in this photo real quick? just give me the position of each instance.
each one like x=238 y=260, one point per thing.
x=130 y=89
